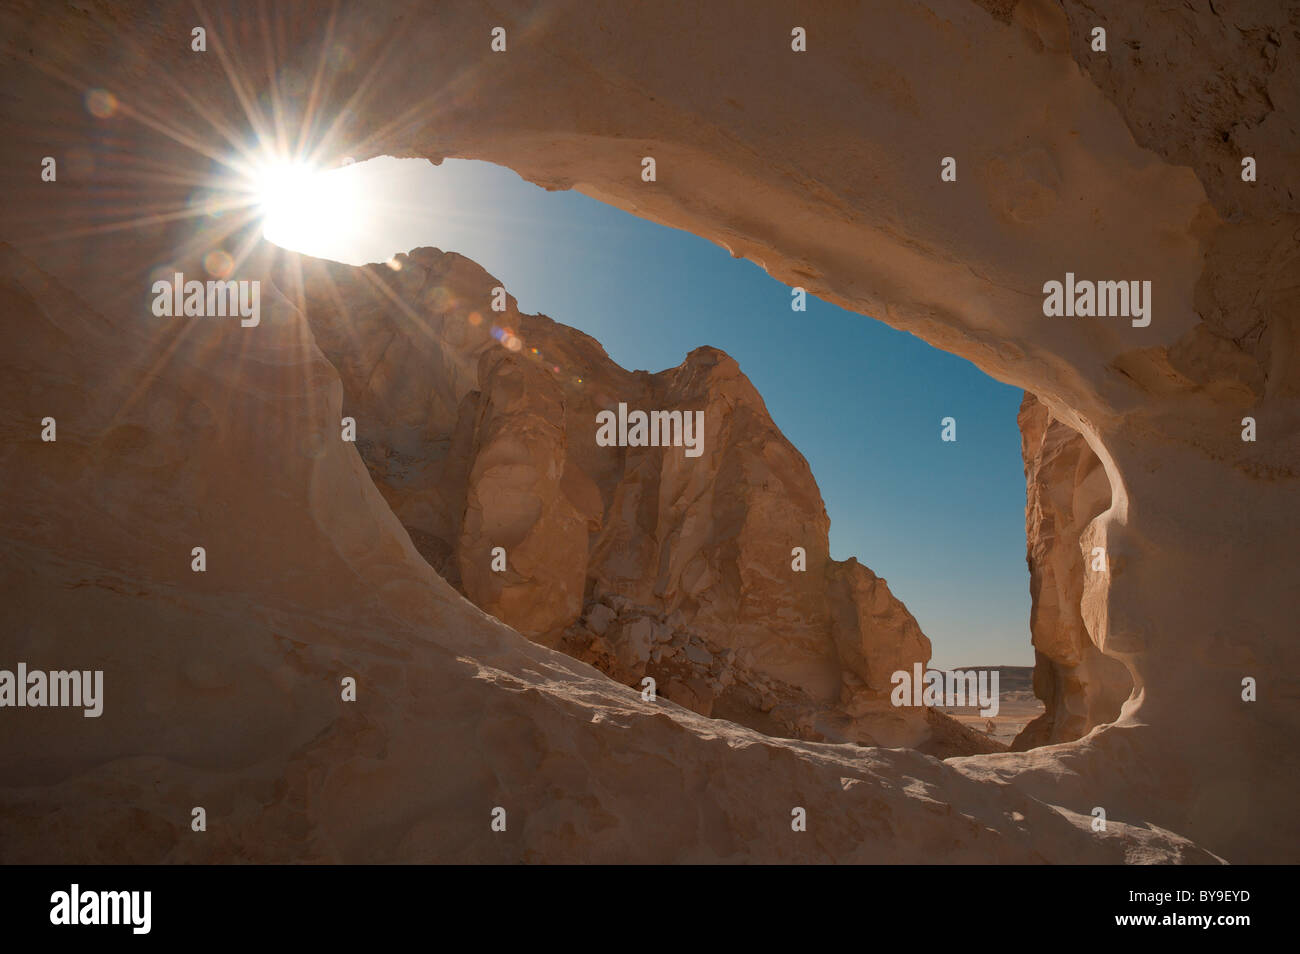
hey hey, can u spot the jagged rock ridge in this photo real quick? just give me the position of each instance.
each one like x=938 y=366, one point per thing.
x=479 y=427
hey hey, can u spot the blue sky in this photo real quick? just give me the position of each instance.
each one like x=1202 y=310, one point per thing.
x=942 y=522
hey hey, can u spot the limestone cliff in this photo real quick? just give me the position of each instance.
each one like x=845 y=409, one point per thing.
x=480 y=429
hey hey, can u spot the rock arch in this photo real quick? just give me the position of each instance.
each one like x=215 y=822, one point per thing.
x=822 y=167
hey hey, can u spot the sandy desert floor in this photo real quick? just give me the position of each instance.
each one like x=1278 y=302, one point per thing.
x=1015 y=711
x=1017 y=706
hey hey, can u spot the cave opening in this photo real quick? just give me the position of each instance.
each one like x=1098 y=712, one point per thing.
x=731 y=581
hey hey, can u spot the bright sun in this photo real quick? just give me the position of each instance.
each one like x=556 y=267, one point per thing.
x=302 y=207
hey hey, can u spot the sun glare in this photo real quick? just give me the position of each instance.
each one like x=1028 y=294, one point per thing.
x=302 y=208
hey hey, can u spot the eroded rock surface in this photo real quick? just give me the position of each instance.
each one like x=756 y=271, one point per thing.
x=222 y=687
x=680 y=563
x=1066 y=488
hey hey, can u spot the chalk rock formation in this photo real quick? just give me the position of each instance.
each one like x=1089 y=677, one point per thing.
x=1066 y=489
x=674 y=562
x=222 y=687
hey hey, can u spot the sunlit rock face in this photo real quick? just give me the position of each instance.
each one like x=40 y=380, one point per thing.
x=704 y=566
x=221 y=688
x=1066 y=489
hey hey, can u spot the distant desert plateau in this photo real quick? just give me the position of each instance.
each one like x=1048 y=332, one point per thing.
x=1017 y=705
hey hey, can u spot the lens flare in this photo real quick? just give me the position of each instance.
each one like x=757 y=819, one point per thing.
x=218 y=263
x=100 y=103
